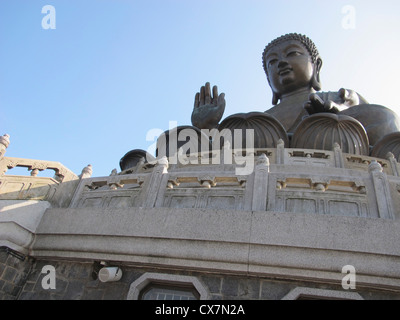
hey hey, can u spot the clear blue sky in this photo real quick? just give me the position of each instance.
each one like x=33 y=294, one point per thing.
x=112 y=70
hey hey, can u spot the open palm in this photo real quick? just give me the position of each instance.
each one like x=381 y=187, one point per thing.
x=208 y=108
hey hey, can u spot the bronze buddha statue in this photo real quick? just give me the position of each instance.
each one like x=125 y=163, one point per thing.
x=302 y=116
x=311 y=119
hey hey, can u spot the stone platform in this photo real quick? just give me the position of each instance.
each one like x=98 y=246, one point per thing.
x=299 y=217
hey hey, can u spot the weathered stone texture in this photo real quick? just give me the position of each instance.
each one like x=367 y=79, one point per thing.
x=74 y=281
x=14 y=270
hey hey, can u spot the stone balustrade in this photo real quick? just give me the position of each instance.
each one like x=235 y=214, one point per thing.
x=280 y=180
x=287 y=180
x=57 y=189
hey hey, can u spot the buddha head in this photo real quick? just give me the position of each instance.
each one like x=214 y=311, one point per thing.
x=291 y=62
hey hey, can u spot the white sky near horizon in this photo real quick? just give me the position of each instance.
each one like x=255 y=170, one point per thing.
x=90 y=90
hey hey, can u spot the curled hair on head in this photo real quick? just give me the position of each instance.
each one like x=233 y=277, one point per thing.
x=307 y=42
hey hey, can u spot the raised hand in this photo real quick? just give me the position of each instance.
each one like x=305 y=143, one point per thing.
x=208 y=108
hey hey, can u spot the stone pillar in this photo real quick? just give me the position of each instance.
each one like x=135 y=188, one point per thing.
x=4 y=142
x=382 y=190
x=393 y=163
x=338 y=156
x=280 y=152
x=156 y=184
x=260 y=190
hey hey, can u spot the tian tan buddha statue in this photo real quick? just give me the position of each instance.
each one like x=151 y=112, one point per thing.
x=303 y=116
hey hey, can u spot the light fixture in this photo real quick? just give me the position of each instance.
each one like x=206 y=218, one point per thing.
x=110 y=274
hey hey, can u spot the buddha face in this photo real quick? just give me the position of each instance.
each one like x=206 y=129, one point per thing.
x=289 y=67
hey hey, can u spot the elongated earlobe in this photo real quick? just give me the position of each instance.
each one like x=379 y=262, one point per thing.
x=275 y=98
x=316 y=82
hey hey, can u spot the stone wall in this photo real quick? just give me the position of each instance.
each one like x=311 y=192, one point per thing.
x=74 y=281
x=299 y=247
x=14 y=270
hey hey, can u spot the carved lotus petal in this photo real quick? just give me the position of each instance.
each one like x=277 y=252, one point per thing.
x=389 y=143
x=188 y=139
x=321 y=131
x=267 y=129
x=377 y=120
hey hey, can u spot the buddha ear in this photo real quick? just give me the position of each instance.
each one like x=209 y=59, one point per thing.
x=275 y=96
x=316 y=82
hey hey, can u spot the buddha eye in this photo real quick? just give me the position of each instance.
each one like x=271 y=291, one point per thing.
x=272 y=62
x=293 y=53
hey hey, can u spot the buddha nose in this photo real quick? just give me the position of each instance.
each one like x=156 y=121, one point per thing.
x=282 y=64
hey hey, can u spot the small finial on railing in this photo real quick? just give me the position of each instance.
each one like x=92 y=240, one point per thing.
x=375 y=166
x=263 y=160
x=4 y=143
x=86 y=172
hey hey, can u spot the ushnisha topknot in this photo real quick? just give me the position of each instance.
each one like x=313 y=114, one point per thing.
x=307 y=42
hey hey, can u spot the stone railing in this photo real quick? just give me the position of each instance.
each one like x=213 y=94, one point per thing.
x=25 y=198
x=33 y=187
x=277 y=180
x=61 y=173
x=287 y=156
x=287 y=180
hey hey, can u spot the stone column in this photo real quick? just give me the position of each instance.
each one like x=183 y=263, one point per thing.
x=393 y=163
x=260 y=189
x=156 y=184
x=382 y=190
x=338 y=155
x=280 y=152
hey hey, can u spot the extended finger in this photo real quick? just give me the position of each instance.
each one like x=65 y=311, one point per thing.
x=207 y=94
x=221 y=99
x=215 y=94
x=196 y=100
x=221 y=105
x=202 y=95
